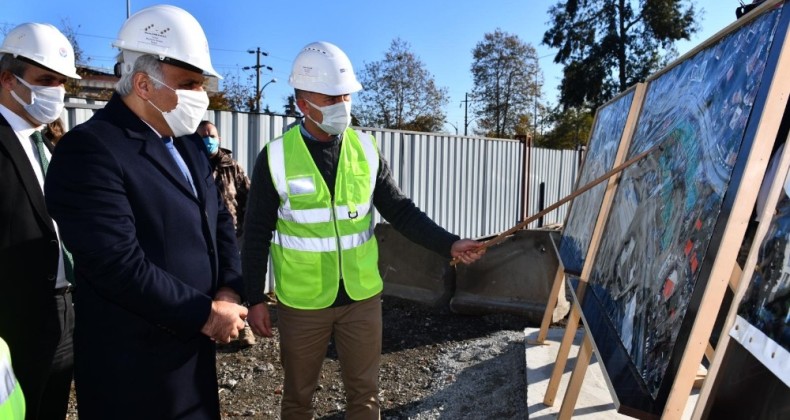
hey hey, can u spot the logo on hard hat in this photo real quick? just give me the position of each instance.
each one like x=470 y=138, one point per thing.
x=63 y=52
x=153 y=31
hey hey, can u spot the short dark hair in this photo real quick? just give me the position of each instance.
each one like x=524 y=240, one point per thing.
x=16 y=65
x=299 y=93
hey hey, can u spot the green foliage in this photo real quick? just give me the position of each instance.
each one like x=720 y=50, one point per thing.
x=400 y=93
x=218 y=101
x=572 y=128
x=507 y=84
x=609 y=45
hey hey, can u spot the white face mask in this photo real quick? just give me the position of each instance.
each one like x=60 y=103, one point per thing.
x=46 y=102
x=337 y=117
x=189 y=110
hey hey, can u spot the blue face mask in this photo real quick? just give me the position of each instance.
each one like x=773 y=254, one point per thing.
x=212 y=144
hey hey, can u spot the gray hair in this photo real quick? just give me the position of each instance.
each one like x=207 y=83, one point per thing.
x=13 y=65
x=146 y=63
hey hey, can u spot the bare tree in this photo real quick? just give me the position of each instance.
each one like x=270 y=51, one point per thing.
x=507 y=84
x=80 y=59
x=400 y=93
x=235 y=94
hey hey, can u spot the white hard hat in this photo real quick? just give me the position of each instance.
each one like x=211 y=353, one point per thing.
x=168 y=32
x=324 y=68
x=42 y=44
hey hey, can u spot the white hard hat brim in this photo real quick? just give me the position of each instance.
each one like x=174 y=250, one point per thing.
x=65 y=72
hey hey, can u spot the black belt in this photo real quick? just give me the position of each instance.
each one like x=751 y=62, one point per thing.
x=60 y=291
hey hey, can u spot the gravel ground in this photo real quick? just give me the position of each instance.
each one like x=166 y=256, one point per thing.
x=435 y=365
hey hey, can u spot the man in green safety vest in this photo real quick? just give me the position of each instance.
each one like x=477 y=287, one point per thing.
x=12 y=402
x=310 y=206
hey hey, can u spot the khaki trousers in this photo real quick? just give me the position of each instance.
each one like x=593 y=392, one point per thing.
x=304 y=338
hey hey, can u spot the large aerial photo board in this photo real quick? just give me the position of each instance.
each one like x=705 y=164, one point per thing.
x=670 y=209
x=604 y=142
x=763 y=322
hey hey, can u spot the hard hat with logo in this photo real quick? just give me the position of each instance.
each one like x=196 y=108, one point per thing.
x=170 y=33
x=324 y=68
x=42 y=44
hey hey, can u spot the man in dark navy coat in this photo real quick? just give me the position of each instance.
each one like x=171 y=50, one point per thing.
x=156 y=261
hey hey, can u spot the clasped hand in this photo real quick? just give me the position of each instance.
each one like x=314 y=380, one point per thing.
x=226 y=318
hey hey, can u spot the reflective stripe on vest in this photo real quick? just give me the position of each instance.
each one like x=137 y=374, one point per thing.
x=321 y=215
x=319 y=238
x=322 y=244
x=12 y=402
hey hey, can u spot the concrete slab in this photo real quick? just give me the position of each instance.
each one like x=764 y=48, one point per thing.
x=595 y=401
x=514 y=276
x=412 y=272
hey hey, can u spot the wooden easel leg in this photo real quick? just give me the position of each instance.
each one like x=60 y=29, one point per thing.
x=562 y=356
x=735 y=277
x=709 y=352
x=554 y=294
x=577 y=377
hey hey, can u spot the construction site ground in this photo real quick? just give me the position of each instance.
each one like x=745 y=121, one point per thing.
x=435 y=364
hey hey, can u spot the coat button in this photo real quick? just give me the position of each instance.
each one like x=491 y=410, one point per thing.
x=51 y=277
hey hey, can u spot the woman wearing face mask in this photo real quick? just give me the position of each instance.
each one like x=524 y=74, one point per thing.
x=311 y=205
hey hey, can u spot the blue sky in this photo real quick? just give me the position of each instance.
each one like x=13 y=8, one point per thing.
x=441 y=33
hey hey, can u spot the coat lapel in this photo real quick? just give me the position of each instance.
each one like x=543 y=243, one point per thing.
x=10 y=143
x=153 y=147
x=192 y=157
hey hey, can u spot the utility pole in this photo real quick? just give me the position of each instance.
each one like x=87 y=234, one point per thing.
x=258 y=66
x=466 y=112
x=537 y=91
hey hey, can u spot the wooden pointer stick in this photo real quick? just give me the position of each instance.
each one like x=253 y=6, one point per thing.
x=614 y=171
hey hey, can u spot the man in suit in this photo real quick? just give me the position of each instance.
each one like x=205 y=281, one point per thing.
x=36 y=314
x=154 y=248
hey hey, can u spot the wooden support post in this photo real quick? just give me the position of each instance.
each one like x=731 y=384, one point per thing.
x=562 y=356
x=734 y=279
x=556 y=288
x=577 y=377
x=709 y=352
x=548 y=315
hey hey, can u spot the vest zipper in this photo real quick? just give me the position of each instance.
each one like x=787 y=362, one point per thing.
x=337 y=238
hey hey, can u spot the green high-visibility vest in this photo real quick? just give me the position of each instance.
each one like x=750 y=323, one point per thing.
x=12 y=402
x=319 y=240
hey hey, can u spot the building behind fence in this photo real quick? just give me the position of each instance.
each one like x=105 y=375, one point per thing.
x=472 y=186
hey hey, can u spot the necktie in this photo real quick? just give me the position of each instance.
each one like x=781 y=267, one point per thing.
x=38 y=139
x=180 y=162
x=68 y=262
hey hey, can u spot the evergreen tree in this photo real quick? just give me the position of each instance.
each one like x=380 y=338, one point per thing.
x=609 y=45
